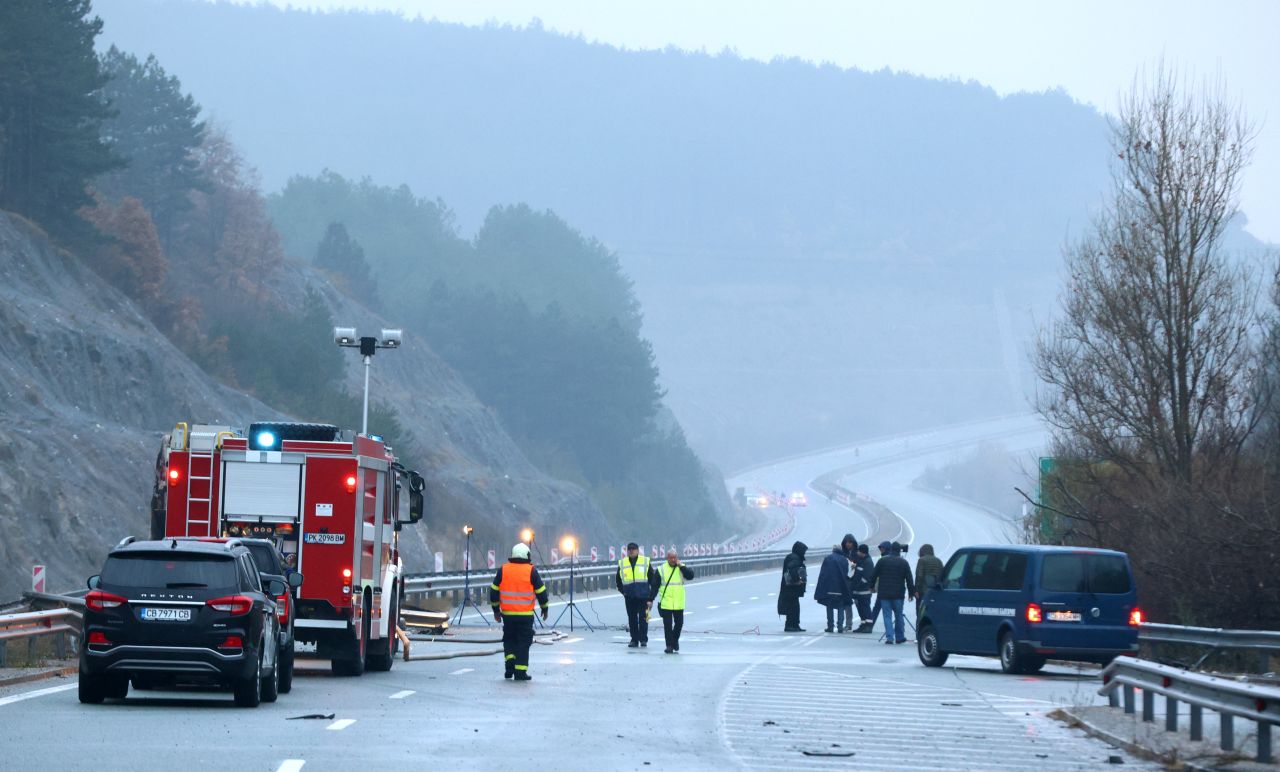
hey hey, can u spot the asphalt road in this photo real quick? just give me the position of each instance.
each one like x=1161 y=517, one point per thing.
x=741 y=694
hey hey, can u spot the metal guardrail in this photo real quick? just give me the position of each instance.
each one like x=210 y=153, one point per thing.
x=45 y=622
x=1214 y=637
x=1230 y=699
x=588 y=572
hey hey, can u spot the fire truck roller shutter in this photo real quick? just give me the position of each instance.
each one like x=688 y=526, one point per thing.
x=263 y=485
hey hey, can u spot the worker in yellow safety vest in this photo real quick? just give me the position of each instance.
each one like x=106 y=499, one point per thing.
x=671 y=578
x=638 y=583
x=515 y=588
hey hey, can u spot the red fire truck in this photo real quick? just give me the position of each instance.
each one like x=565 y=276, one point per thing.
x=332 y=500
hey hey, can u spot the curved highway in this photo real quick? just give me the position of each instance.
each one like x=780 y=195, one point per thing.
x=741 y=694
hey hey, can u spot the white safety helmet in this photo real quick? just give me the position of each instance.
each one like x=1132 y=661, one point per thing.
x=521 y=551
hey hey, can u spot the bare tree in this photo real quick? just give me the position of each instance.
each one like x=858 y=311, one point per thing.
x=1149 y=364
x=1151 y=372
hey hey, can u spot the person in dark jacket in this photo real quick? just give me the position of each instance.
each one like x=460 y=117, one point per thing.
x=849 y=547
x=832 y=589
x=890 y=576
x=861 y=585
x=794 y=580
x=928 y=574
x=637 y=580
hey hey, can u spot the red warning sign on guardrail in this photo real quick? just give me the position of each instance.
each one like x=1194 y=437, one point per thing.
x=37 y=578
x=594 y=555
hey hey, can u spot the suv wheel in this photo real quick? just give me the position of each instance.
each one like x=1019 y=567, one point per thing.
x=284 y=663
x=91 y=691
x=931 y=655
x=248 y=691
x=271 y=684
x=1011 y=660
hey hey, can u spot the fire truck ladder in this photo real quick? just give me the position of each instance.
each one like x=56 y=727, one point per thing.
x=198 y=507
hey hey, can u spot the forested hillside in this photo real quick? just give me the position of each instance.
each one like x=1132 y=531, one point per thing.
x=877 y=240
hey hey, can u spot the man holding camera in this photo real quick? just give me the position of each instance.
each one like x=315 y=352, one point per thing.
x=638 y=582
x=514 y=589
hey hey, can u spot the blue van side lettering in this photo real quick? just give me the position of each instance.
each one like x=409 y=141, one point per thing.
x=987 y=611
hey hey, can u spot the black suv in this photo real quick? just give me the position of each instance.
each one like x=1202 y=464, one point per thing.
x=179 y=609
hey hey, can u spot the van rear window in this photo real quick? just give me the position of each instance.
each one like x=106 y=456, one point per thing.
x=167 y=571
x=1101 y=574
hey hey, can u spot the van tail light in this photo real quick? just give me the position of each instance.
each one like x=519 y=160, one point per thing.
x=174 y=476
x=351 y=483
x=1034 y=614
x=98 y=638
x=346 y=581
x=236 y=605
x=97 y=600
x=282 y=602
x=232 y=642
x=1135 y=617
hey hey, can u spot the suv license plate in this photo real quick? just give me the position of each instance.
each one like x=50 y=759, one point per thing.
x=151 y=614
x=1064 y=616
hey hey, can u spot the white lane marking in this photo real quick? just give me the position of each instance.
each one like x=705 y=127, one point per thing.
x=460 y=671
x=709 y=608
x=401 y=695
x=290 y=765
x=340 y=724
x=734 y=602
x=755 y=597
x=572 y=640
x=772 y=594
x=37 y=693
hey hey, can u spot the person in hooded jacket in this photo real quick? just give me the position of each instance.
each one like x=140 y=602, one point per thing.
x=849 y=547
x=928 y=574
x=832 y=589
x=794 y=581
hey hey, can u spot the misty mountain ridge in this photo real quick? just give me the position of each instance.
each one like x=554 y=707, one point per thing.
x=820 y=253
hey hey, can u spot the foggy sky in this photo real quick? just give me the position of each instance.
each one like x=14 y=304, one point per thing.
x=1090 y=48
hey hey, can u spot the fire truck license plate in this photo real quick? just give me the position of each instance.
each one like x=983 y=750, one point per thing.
x=324 y=538
x=151 y=614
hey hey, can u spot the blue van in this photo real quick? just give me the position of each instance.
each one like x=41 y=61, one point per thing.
x=1026 y=604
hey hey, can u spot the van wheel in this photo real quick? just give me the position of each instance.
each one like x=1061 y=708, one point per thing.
x=927 y=647
x=1011 y=660
x=248 y=691
x=1033 y=663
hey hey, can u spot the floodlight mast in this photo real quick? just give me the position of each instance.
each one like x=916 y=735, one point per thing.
x=346 y=337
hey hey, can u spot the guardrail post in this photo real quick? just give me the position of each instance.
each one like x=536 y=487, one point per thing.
x=4 y=648
x=1227 y=731
x=1170 y=714
x=1264 y=742
x=1197 y=722
x=1113 y=698
x=1148 y=705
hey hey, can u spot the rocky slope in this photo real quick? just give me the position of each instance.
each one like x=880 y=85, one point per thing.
x=89 y=385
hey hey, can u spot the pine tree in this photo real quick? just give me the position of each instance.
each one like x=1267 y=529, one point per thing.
x=51 y=111
x=343 y=255
x=157 y=131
